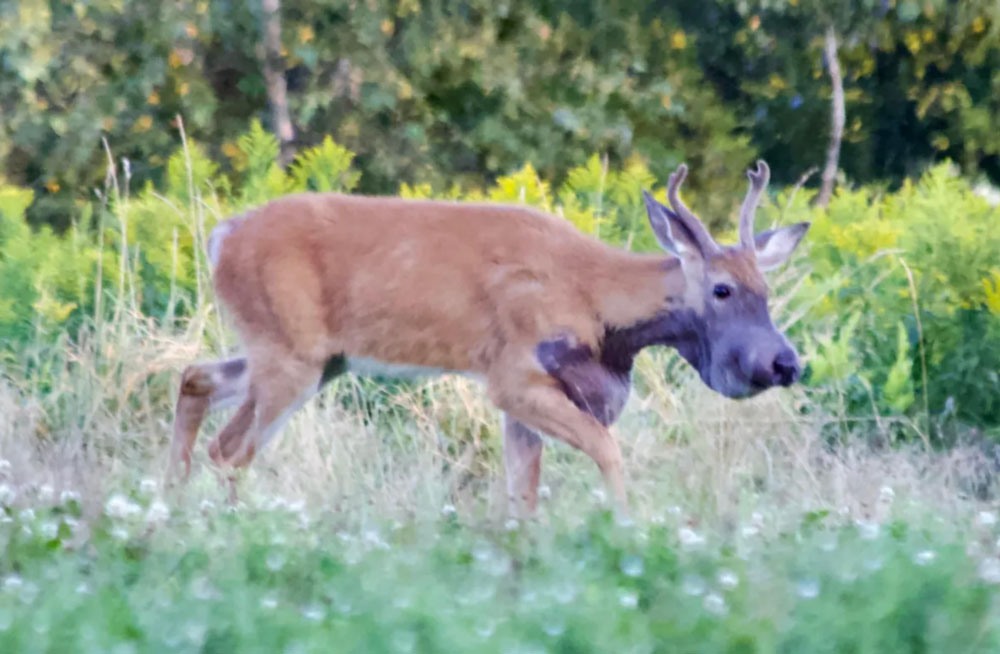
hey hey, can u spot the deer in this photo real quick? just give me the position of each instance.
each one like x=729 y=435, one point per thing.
x=548 y=317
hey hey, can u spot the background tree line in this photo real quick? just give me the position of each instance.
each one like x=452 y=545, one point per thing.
x=459 y=93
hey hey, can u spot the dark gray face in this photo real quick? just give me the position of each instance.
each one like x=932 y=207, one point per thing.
x=737 y=349
x=732 y=341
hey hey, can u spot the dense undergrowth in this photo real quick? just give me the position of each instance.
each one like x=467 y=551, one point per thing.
x=895 y=299
x=284 y=578
x=770 y=525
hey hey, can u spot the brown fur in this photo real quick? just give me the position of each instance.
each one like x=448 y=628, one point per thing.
x=741 y=265
x=443 y=285
x=437 y=284
x=314 y=281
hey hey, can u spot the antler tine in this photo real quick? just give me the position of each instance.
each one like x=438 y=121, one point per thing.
x=759 y=177
x=691 y=221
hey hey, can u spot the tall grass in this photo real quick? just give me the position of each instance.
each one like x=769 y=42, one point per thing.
x=92 y=411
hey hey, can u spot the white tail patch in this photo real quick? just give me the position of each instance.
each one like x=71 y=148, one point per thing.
x=218 y=235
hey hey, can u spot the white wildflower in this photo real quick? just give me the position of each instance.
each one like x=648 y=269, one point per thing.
x=632 y=565
x=714 y=603
x=7 y=494
x=689 y=538
x=147 y=486
x=986 y=519
x=314 y=612
x=45 y=493
x=989 y=570
x=924 y=557
x=119 y=506
x=728 y=579
x=628 y=599
x=49 y=529
x=158 y=512
x=808 y=588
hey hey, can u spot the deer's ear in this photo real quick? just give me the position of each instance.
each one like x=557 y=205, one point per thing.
x=776 y=245
x=671 y=232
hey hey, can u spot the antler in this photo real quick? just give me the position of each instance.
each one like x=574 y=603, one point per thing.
x=759 y=176
x=695 y=226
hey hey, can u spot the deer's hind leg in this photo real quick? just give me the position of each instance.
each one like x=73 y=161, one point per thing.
x=279 y=386
x=204 y=387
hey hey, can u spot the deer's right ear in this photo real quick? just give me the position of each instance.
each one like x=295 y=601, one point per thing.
x=671 y=232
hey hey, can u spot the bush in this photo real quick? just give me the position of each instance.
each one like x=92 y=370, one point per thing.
x=903 y=311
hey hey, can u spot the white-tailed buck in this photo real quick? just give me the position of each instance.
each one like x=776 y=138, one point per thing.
x=550 y=319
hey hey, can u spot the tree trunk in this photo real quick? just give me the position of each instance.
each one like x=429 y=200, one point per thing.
x=838 y=117
x=274 y=77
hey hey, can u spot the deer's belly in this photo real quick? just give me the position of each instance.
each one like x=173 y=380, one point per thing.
x=369 y=367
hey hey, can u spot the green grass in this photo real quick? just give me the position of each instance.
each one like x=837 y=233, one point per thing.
x=751 y=532
x=282 y=578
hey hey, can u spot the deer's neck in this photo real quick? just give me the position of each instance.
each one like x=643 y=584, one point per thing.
x=643 y=304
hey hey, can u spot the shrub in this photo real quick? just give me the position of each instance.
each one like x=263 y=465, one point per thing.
x=903 y=302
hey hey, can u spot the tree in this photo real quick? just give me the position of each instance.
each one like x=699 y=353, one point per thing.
x=837 y=113
x=918 y=82
x=273 y=66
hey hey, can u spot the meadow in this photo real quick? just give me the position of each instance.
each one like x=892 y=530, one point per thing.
x=854 y=512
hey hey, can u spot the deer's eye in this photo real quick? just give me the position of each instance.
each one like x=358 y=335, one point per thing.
x=722 y=291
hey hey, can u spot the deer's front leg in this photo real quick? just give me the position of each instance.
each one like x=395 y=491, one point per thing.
x=522 y=453
x=592 y=387
x=527 y=393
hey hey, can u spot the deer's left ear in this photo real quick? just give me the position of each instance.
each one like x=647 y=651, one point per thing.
x=671 y=232
x=775 y=245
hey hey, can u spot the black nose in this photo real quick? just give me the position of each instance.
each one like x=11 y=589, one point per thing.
x=786 y=368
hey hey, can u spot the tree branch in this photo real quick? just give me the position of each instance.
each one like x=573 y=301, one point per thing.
x=272 y=64
x=838 y=118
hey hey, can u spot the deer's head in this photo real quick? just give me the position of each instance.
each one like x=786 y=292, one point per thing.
x=735 y=346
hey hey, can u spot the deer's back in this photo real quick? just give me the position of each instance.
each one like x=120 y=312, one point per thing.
x=435 y=284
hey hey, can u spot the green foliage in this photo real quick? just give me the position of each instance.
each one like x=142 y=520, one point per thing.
x=898 y=390
x=256 y=157
x=896 y=294
x=919 y=81
x=327 y=167
x=423 y=92
x=147 y=578
x=918 y=263
x=46 y=278
x=831 y=359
